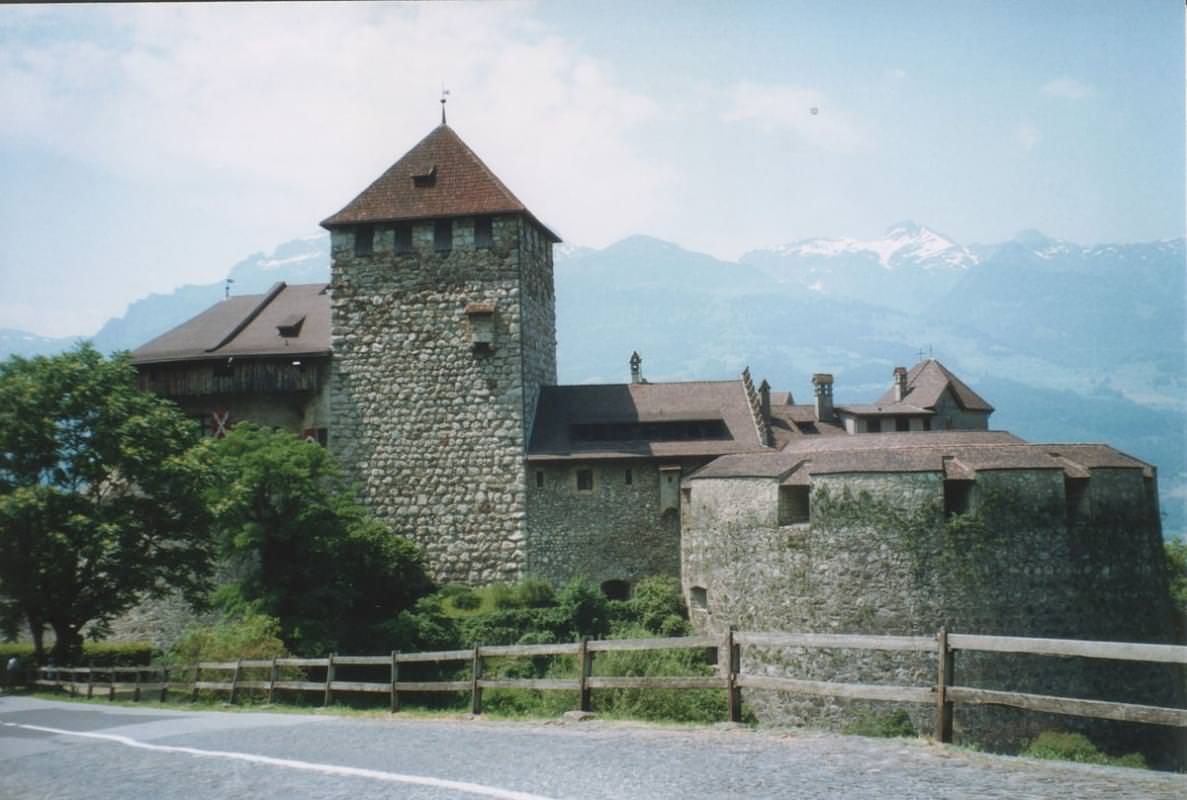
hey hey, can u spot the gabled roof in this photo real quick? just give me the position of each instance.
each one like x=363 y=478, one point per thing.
x=248 y=326
x=926 y=383
x=451 y=181
x=561 y=407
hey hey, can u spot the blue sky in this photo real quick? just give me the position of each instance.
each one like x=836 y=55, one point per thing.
x=146 y=147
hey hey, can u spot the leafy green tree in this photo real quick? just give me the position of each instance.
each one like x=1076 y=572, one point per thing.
x=100 y=497
x=302 y=549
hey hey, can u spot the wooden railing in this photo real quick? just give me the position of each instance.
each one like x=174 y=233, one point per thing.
x=944 y=694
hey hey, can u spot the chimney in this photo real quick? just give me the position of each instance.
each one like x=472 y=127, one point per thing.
x=764 y=399
x=636 y=368
x=823 y=383
x=900 y=384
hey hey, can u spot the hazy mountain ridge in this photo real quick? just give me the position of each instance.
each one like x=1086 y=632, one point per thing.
x=1069 y=342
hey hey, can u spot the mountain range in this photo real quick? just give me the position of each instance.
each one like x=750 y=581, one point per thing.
x=1069 y=342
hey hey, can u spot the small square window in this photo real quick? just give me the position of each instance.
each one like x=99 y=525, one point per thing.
x=443 y=235
x=794 y=508
x=364 y=240
x=958 y=497
x=403 y=240
x=873 y=425
x=585 y=480
x=539 y=479
x=629 y=479
x=483 y=237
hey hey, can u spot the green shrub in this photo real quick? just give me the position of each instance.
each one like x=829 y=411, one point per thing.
x=535 y=593
x=253 y=636
x=586 y=607
x=503 y=596
x=465 y=600
x=1064 y=746
x=896 y=723
x=451 y=590
x=99 y=654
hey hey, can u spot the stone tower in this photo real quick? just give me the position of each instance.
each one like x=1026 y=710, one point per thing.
x=444 y=330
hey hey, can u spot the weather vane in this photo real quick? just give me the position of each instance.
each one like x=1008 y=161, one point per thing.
x=227 y=289
x=444 y=95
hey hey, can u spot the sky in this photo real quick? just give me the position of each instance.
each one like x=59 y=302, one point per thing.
x=144 y=147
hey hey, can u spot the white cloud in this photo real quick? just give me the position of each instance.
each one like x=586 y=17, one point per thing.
x=315 y=100
x=1028 y=135
x=805 y=113
x=1067 y=88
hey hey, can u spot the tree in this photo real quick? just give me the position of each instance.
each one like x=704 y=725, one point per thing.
x=301 y=549
x=100 y=498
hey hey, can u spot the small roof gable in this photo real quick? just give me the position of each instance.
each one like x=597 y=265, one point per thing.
x=926 y=383
x=249 y=325
x=560 y=408
x=439 y=177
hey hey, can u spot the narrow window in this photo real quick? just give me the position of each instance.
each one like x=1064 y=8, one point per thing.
x=585 y=480
x=403 y=242
x=698 y=598
x=958 y=496
x=443 y=235
x=902 y=423
x=616 y=590
x=629 y=479
x=1076 y=495
x=364 y=240
x=483 y=237
x=793 y=505
x=927 y=423
x=539 y=479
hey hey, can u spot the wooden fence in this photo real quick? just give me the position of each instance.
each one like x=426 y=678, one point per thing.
x=945 y=693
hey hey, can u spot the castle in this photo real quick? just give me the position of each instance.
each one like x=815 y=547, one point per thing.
x=428 y=366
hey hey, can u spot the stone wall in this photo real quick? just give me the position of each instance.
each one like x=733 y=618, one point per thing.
x=432 y=428
x=613 y=531
x=880 y=557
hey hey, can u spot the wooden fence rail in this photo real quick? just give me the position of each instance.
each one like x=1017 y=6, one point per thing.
x=944 y=694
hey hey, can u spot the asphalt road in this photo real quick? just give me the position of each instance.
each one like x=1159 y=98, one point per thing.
x=69 y=750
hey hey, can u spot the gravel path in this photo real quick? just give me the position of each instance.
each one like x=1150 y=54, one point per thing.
x=592 y=759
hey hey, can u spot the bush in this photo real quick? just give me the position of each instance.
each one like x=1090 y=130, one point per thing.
x=896 y=723
x=535 y=593
x=503 y=596
x=99 y=654
x=465 y=600
x=1063 y=746
x=253 y=636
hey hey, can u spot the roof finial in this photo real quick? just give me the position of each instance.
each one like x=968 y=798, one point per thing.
x=227 y=288
x=444 y=94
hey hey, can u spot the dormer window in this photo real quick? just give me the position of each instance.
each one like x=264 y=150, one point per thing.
x=425 y=179
x=290 y=326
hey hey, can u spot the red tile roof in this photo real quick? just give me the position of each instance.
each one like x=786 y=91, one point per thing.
x=455 y=183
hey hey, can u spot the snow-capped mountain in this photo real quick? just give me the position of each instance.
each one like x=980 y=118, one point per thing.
x=904 y=244
x=908 y=267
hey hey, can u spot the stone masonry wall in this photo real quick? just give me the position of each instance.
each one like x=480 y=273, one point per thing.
x=615 y=531
x=880 y=557
x=433 y=430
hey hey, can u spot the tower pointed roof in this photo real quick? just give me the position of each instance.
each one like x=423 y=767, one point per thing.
x=929 y=379
x=439 y=177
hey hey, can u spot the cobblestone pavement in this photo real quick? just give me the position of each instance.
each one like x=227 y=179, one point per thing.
x=593 y=759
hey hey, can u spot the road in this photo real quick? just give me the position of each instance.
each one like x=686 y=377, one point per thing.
x=65 y=750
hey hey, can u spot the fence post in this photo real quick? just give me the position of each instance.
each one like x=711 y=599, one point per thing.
x=164 y=673
x=475 y=689
x=91 y=681
x=733 y=662
x=272 y=678
x=945 y=670
x=111 y=675
x=136 y=691
x=329 y=696
x=585 y=669
x=194 y=690
x=235 y=681
x=395 y=679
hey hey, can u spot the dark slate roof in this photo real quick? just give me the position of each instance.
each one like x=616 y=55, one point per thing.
x=926 y=383
x=246 y=326
x=560 y=407
x=957 y=454
x=461 y=185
